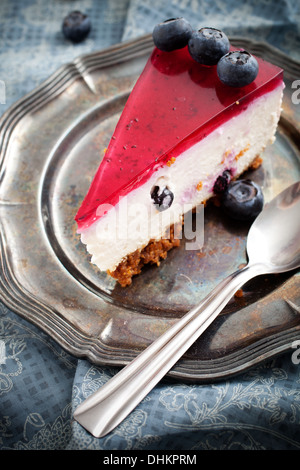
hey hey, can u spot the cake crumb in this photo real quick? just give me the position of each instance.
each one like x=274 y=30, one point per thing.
x=241 y=153
x=256 y=163
x=239 y=293
x=199 y=186
x=225 y=155
x=171 y=161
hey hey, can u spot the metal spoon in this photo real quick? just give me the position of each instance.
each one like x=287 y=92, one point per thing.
x=273 y=246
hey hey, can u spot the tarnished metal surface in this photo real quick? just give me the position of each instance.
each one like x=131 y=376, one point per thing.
x=51 y=144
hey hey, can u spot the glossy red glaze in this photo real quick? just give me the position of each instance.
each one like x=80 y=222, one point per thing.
x=176 y=102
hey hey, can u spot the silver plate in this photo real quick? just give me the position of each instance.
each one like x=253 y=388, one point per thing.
x=51 y=144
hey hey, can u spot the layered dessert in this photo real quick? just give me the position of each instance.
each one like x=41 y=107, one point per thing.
x=181 y=130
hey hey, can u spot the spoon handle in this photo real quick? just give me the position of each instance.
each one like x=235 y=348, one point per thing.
x=106 y=408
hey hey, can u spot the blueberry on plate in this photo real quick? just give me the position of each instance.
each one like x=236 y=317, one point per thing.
x=208 y=45
x=172 y=34
x=237 y=68
x=162 y=198
x=243 y=200
x=76 y=26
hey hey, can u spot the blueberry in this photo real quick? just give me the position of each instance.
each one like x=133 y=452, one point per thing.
x=162 y=198
x=172 y=34
x=76 y=26
x=208 y=45
x=243 y=200
x=222 y=182
x=237 y=68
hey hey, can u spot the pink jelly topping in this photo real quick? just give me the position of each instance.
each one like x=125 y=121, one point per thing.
x=176 y=102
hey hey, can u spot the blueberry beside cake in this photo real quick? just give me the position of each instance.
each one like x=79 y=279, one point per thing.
x=200 y=115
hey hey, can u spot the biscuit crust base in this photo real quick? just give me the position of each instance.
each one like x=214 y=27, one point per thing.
x=152 y=253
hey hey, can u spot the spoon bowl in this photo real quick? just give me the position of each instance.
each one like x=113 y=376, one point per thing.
x=274 y=237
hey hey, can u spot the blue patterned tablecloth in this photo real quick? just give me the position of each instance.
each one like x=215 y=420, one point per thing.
x=40 y=383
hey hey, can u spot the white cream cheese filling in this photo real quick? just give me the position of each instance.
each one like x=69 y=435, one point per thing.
x=135 y=220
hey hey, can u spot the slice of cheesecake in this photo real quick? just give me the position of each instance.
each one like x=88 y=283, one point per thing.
x=181 y=128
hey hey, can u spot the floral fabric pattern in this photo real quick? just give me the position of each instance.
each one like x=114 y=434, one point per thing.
x=41 y=386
